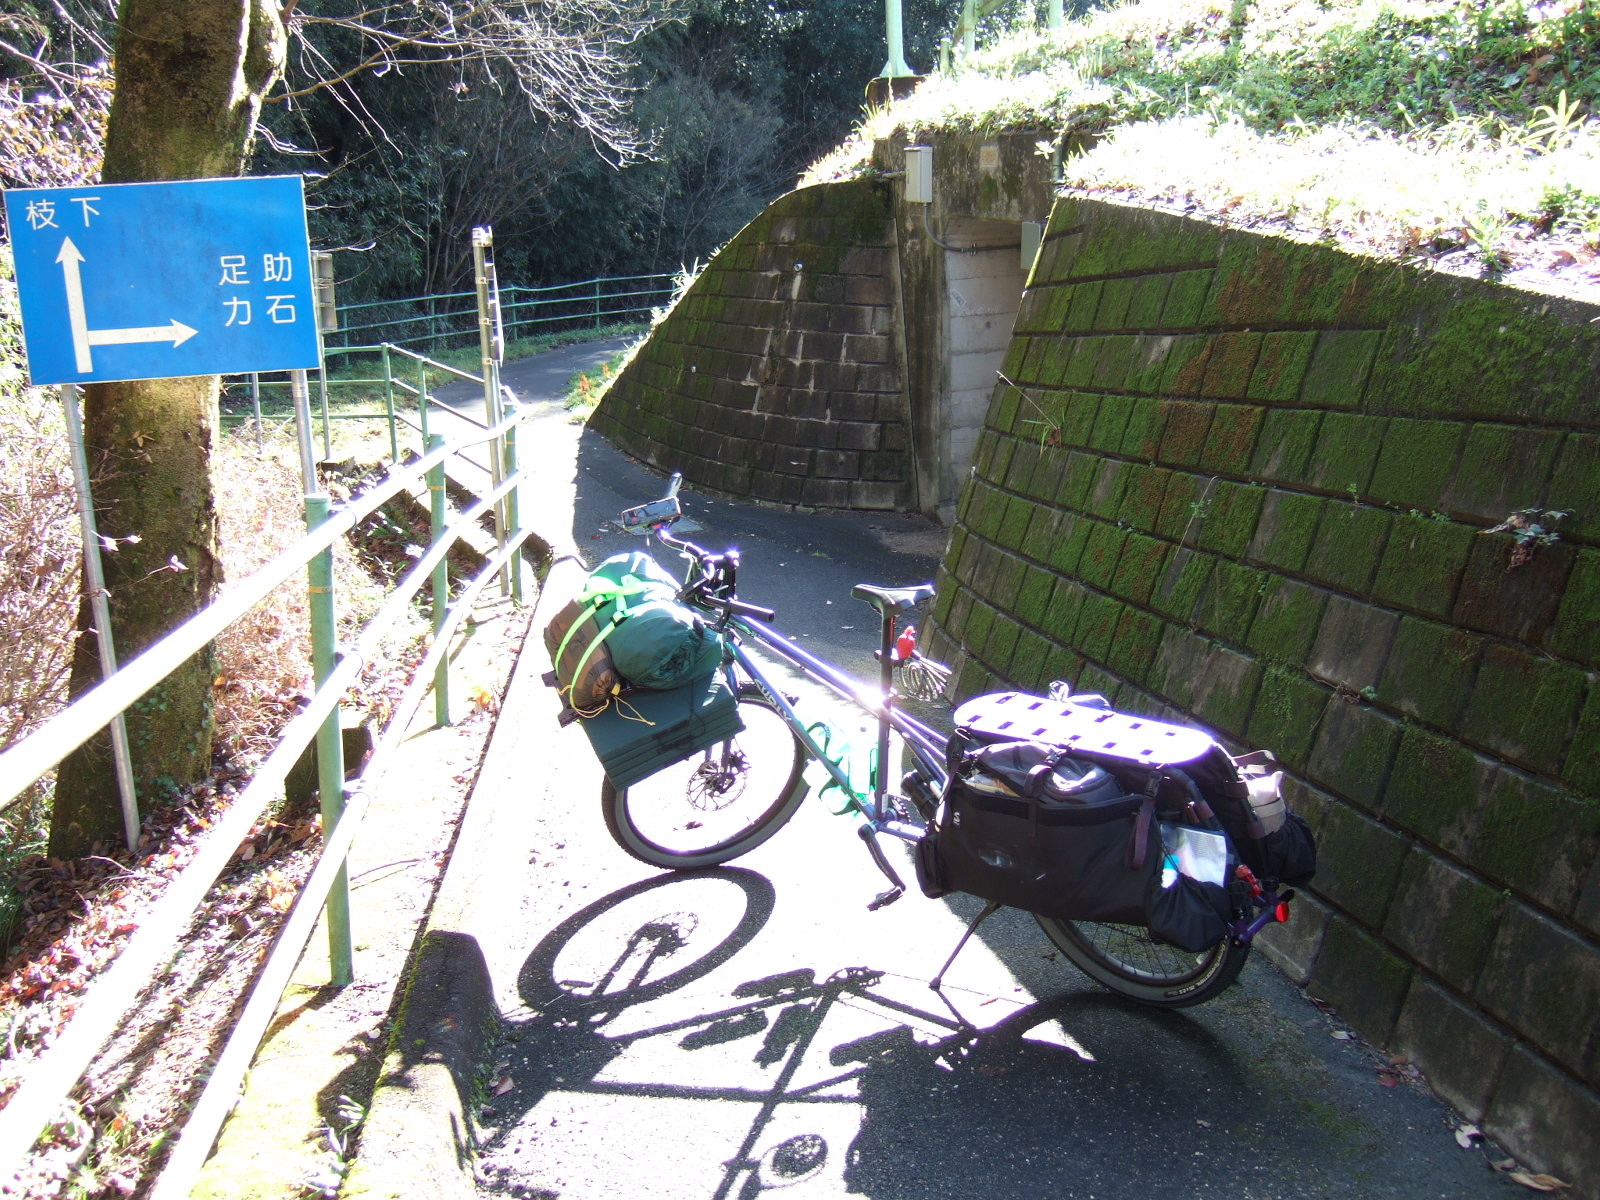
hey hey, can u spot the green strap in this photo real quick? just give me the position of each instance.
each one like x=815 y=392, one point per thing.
x=595 y=598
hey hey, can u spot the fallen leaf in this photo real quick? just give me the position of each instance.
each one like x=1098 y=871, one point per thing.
x=1540 y=1183
x=1343 y=1035
x=1466 y=1135
x=1388 y=1079
x=503 y=1085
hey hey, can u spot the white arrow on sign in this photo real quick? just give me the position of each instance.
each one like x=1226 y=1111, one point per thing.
x=83 y=337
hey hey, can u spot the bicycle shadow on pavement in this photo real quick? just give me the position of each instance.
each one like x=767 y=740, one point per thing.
x=860 y=1080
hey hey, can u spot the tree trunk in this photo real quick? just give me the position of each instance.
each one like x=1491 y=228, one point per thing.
x=189 y=83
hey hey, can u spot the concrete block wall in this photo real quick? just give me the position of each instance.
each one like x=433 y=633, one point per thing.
x=1251 y=484
x=778 y=375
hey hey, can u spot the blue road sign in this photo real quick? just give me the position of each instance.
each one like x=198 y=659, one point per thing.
x=150 y=280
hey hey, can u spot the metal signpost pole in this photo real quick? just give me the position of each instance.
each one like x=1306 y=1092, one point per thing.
x=94 y=582
x=491 y=343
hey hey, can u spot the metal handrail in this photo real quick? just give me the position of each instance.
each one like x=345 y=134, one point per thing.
x=598 y=298
x=51 y=1077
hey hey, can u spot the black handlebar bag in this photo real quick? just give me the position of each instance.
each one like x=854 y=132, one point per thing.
x=1026 y=825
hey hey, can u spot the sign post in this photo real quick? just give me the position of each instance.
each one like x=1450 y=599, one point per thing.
x=157 y=280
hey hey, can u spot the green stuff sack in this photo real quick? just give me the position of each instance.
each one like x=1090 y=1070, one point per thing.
x=664 y=644
x=627 y=630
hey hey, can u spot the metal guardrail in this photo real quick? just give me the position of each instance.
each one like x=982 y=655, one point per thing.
x=434 y=322
x=51 y=1077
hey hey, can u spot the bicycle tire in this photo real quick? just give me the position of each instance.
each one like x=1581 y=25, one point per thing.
x=1128 y=961
x=718 y=805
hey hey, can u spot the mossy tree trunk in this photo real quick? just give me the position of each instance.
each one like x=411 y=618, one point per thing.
x=189 y=83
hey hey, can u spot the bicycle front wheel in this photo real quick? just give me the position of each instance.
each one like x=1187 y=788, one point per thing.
x=1126 y=959
x=719 y=804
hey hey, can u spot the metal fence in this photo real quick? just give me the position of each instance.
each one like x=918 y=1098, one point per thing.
x=449 y=320
x=335 y=667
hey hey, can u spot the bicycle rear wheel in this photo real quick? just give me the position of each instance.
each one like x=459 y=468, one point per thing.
x=717 y=805
x=1126 y=959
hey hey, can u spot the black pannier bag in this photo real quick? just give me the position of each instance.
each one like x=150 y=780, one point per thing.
x=1027 y=825
x=1275 y=843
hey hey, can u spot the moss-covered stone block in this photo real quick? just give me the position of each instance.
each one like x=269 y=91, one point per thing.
x=1102 y=554
x=1348 y=545
x=1352 y=643
x=1139 y=567
x=1014 y=524
x=1336 y=377
x=1525 y=706
x=1044 y=527
x=1287 y=710
x=1180 y=660
x=1576 y=631
x=1544 y=981
x=1582 y=768
x=1032 y=605
x=1002 y=641
x=1060 y=623
x=1116 y=296
x=1134 y=644
x=1436 y=788
x=1537 y=839
x=1362 y=978
x=1416 y=462
x=1068 y=550
x=1430 y=671
x=1504 y=469
x=1184 y=506
x=1082 y=469
x=1228 y=602
x=1281 y=367
x=1286 y=620
x=1141 y=436
x=1422 y=563
x=1113 y=362
x=1085 y=301
x=1284 y=446
x=1459 y=1050
x=1285 y=529
x=1186 y=298
x=1231 y=363
x=1147 y=301
x=1078 y=371
x=1185 y=367
x=1143 y=496
x=1359 y=861
x=1177 y=589
x=1444 y=918
x=1104 y=499
x=980 y=621
x=1517 y=600
x=1347 y=450
x=1225 y=691
x=1097 y=624
x=1231 y=440
x=1185 y=426
x=1110 y=422
x=1076 y=417
x=1230 y=519
x=1575 y=486
x=1354 y=748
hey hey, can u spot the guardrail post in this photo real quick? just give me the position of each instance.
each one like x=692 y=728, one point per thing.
x=255 y=406
x=513 y=505
x=388 y=404
x=330 y=739
x=440 y=583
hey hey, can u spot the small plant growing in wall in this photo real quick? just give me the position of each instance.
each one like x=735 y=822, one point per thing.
x=1532 y=528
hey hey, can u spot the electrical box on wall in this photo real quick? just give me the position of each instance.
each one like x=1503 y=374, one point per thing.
x=919 y=174
x=1032 y=235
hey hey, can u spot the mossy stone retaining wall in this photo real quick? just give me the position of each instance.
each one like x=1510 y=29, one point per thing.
x=1250 y=483
x=778 y=376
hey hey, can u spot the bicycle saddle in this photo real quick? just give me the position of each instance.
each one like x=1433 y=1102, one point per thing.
x=890 y=599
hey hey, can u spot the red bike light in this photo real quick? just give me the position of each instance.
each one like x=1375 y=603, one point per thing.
x=905 y=645
x=1281 y=912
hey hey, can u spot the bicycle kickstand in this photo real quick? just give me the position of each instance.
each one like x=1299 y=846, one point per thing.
x=988 y=909
x=899 y=888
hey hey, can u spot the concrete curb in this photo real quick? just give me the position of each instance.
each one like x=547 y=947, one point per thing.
x=419 y=1136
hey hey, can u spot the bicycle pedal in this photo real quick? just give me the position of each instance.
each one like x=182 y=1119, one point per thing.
x=884 y=899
